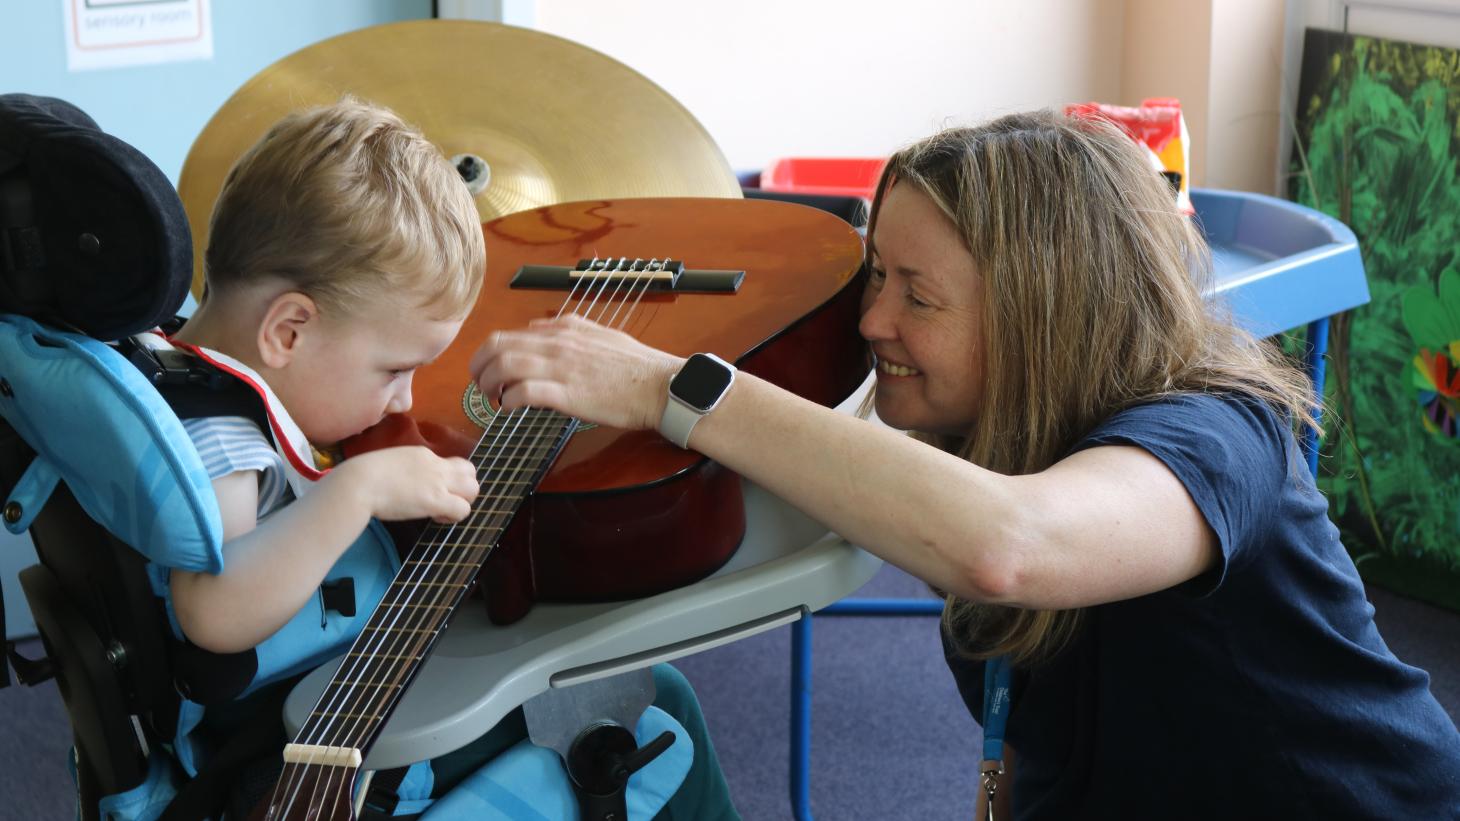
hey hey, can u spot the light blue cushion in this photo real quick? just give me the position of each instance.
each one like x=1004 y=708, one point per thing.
x=528 y=782
x=99 y=426
x=144 y=802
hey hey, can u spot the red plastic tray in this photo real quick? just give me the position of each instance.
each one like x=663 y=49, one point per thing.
x=837 y=176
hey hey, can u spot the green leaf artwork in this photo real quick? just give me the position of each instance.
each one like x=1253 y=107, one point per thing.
x=1433 y=322
x=1378 y=136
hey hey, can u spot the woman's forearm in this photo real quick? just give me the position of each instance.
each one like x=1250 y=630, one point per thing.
x=939 y=517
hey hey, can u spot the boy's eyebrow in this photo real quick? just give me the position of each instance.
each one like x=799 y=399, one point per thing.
x=412 y=365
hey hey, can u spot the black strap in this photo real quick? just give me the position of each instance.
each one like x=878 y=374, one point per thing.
x=383 y=794
x=206 y=795
x=194 y=389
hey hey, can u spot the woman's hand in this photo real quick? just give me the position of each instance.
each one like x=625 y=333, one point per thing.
x=579 y=368
x=411 y=482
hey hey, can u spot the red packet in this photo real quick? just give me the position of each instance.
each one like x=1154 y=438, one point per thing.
x=1158 y=125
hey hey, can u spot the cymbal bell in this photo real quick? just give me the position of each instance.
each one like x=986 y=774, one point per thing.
x=553 y=120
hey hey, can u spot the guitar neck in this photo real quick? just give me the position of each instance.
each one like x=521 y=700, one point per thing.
x=511 y=458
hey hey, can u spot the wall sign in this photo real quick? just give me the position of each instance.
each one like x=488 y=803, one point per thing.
x=114 y=33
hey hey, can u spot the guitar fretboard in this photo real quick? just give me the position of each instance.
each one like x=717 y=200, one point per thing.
x=513 y=454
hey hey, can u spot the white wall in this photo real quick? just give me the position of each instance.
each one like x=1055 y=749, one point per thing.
x=1167 y=52
x=852 y=77
x=1246 y=107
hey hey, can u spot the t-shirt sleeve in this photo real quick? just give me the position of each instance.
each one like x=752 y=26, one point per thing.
x=1231 y=454
x=228 y=444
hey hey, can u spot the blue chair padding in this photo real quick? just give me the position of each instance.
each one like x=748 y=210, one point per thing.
x=144 y=802
x=528 y=782
x=83 y=407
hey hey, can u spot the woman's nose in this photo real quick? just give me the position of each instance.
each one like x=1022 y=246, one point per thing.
x=878 y=317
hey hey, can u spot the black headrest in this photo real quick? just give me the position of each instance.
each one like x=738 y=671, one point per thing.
x=92 y=233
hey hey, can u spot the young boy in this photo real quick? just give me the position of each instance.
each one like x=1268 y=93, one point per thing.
x=344 y=252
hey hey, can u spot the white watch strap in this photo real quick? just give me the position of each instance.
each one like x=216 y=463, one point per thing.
x=678 y=420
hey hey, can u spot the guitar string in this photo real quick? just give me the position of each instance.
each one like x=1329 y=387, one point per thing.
x=315 y=735
x=424 y=566
x=385 y=691
x=533 y=453
x=539 y=452
x=392 y=677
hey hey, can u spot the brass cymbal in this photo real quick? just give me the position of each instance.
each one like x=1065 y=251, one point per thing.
x=553 y=120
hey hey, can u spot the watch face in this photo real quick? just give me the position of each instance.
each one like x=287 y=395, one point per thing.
x=701 y=381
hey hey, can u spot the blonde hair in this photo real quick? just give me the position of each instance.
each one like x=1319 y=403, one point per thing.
x=1092 y=303
x=348 y=203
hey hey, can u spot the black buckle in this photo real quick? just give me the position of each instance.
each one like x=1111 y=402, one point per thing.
x=339 y=596
x=172 y=367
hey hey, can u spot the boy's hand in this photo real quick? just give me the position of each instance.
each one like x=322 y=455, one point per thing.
x=413 y=483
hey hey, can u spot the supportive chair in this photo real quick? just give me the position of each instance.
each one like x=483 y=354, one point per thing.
x=93 y=240
x=95 y=252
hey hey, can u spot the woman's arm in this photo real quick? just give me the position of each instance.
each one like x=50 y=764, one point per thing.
x=273 y=567
x=1105 y=524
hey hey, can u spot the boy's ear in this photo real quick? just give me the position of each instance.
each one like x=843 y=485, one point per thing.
x=289 y=316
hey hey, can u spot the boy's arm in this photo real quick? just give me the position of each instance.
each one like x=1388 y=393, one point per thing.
x=272 y=568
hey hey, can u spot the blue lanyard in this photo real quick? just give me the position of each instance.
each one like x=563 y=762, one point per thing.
x=995 y=706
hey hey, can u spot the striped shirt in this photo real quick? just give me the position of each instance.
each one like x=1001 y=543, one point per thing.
x=228 y=444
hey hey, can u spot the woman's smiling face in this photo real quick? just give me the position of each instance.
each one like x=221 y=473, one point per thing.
x=921 y=313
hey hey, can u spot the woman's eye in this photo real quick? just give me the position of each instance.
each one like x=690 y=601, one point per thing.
x=912 y=299
x=876 y=275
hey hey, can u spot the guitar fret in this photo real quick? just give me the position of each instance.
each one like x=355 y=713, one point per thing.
x=467 y=526
x=352 y=683
x=514 y=446
x=511 y=455
x=372 y=629
x=435 y=563
x=409 y=583
x=407 y=656
x=334 y=714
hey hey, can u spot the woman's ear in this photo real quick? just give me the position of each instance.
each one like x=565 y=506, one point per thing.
x=287 y=319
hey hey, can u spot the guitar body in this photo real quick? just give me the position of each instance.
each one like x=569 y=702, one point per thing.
x=625 y=514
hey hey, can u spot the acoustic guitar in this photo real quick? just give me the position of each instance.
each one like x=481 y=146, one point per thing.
x=570 y=512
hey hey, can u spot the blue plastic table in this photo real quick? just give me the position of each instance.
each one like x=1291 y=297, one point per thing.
x=1278 y=266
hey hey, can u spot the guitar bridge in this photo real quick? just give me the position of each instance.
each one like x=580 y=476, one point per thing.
x=662 y=275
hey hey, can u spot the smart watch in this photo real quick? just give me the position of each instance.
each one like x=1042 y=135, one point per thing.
x=693 y=392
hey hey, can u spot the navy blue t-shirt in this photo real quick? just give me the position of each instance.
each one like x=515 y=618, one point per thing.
x=1260 y=689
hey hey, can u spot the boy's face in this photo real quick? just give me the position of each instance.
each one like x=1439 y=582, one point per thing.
x=350 y=373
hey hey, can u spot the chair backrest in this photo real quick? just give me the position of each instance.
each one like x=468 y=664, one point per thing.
x=94 y=239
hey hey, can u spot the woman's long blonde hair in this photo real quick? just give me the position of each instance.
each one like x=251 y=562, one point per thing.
x=1092 y=303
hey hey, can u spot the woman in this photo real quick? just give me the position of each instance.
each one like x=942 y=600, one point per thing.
x=1103 y=479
